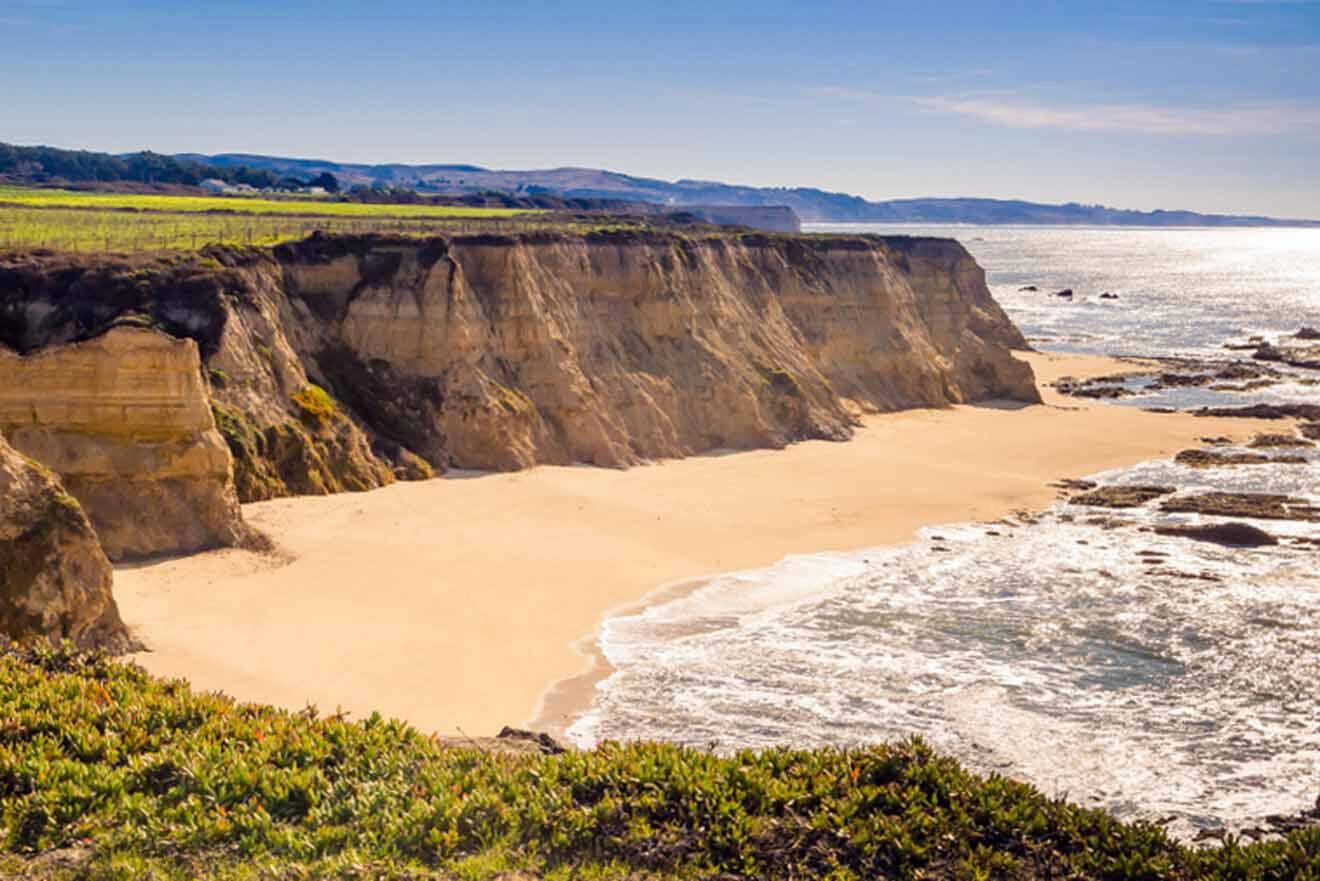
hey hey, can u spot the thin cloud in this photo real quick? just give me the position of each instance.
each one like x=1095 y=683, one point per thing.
x=1229 y=121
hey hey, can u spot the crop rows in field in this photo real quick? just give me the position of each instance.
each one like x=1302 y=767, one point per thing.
x=126 y=222
x=130 y=231
x=31 y=197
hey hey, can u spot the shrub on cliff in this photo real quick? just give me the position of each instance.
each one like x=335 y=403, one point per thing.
x=315 y=403
x=106 y=772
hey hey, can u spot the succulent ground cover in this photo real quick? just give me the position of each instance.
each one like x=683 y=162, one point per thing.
x=106 y=772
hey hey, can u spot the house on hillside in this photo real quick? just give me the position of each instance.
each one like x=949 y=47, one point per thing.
x=214 y=186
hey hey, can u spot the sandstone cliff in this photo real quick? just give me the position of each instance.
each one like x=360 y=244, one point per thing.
x=347 y=362
x=54 y=579
x=125 y=420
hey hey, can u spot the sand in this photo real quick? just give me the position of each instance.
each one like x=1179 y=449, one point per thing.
x=456 y=603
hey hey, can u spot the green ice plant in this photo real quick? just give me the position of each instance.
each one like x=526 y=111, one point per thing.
x=130 y=776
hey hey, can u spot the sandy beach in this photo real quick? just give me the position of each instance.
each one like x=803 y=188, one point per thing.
x=456 y=603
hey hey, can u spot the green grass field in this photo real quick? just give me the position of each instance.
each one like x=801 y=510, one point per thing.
x=69 y=229
x=108 y=773
x=115 y=222
x=41 y=198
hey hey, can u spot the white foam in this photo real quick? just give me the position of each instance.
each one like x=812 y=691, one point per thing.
x=1048 y=651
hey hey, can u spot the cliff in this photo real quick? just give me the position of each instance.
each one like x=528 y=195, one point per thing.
x=341 y=363
x=54 y=580
x=125 y=420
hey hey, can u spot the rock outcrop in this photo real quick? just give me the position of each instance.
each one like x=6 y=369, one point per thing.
x=347 y=362
x=55 y=582
x=125 y=420
x=1120 y=496
x=1259 y=506
x=1231 y=534
x=1220 y=459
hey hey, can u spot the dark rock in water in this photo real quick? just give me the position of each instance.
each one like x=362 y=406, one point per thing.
x=1072 y=484
x=1278 y=440
x=1307 y=333
x=1295 y=355
x=1268 y=352
x=1242 y=387
x=1108 y=296
x=1188 y=576
x=1258 y=506
x=1216 y=441
x=1214 y=459
x=1107 y=522
x=1121 y=496
x=1244 y=370
x=1065 y=293
x=1181 y=380
x=1029 y=288
x=1309 y=412
x=1232 y=534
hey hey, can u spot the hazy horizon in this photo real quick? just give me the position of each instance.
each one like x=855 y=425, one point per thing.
x=1203 y=105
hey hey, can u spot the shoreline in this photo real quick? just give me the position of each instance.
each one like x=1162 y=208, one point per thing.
x=460 y=604
x=565 y=701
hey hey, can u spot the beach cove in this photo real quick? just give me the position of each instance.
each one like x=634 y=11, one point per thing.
x=457 y=604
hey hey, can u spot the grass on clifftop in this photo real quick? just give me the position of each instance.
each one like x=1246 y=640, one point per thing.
x=106 y=772
x=51 y=198
x=125 y=222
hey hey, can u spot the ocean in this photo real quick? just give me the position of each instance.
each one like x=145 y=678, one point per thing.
x=1153 y=676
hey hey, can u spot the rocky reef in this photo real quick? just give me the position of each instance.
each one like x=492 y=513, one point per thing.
x=343 y=363
x=55 y=582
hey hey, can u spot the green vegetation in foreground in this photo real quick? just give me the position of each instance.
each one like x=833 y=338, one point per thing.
x=50 y=198
x=106 y=772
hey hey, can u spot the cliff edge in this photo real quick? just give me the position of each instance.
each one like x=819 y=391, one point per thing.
x=343 y=363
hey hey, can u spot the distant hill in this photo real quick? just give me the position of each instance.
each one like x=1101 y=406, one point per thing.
x=810 y=204
x=53 y=165
x=579 y=188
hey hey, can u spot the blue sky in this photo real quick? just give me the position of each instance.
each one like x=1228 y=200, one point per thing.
x=1206 y=104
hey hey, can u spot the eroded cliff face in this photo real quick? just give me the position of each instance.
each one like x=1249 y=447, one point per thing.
x=613 y=350
x=344 y=363
x=55 y=582
x=126 y=422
